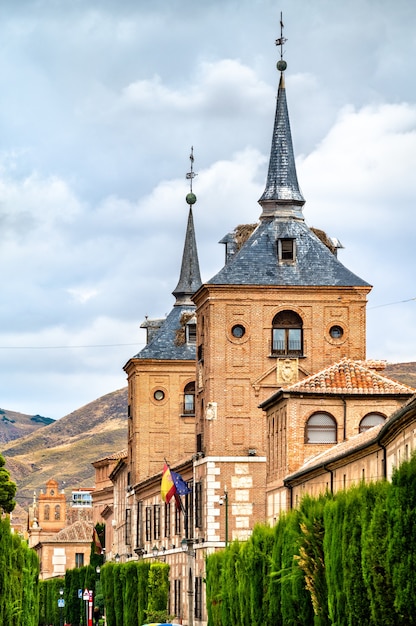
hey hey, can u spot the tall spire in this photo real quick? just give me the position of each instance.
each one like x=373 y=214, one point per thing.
x=190 y=277
x=282 y=196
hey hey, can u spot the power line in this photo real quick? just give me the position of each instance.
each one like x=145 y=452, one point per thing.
x=390 y=303
x=119 y=345
x=109 y=345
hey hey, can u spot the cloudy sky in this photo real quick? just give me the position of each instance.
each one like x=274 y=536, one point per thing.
x=100 y=103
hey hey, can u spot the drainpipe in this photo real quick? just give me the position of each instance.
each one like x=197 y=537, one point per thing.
x=345 y=417
x=290 y=490
x=384 y=460
x=331 y=482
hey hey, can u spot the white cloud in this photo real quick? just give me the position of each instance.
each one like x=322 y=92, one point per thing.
x=100 y=106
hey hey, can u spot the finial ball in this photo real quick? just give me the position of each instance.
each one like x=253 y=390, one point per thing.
x=281 y=65
x=191 y=198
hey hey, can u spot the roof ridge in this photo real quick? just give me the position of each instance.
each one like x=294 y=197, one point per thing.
x=350 y=376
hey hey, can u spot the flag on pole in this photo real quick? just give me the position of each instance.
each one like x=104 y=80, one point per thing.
x=167 y=488
x=181 y=487
x=97 y=543
x=172 y=485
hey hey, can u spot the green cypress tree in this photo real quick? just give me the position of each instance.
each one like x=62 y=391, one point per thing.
x=333 y=520
x=143 y=570
x=311 y=557
x=107 y=581
x=214 y=565
x=257 y=558
x=7 y=489
x=130 y=593
x=295 y=600
x=158 y=598
x=374 y=556
x=401 y=553
x=277 y=573
x=357 y=600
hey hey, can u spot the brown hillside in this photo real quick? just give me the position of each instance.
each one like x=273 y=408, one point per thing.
x=402 y=372
x=14 y=425
x=65 y=449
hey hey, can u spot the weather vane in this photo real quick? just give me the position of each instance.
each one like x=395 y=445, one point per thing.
x=281 y=65
x=191 y=197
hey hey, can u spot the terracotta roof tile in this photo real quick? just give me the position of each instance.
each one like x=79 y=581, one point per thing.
x=351 y=377
x=78 y=531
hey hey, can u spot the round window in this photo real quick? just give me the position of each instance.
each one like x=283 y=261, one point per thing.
x=158 y=394
x=336 y=332
x=238 y=331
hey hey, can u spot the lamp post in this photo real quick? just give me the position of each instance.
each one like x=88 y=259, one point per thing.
x=96 y=608
x=61 y=604
x=188 y=547
x=224 y=500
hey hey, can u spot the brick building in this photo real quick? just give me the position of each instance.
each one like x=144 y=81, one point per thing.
x=232 y=387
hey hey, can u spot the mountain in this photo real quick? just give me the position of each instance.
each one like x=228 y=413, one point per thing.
x=65 y=449
x=402 y=372
x=15 y=425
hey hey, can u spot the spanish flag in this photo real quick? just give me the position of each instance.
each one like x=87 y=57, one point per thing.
x=98 y=549
x=167 y=488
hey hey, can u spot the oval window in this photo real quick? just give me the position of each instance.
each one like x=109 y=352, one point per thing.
x=159 y=395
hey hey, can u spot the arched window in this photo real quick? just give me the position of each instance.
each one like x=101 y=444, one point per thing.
x=57 y=511
x=189 y=399
x=287 y=337
x=370 y=420
x=46 y=512
x=321 y=428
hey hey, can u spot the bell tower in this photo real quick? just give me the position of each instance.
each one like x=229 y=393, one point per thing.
x=282 y=307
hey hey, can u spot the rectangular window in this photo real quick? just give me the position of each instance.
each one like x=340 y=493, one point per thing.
x=127 y=528
x=198 y=597
x=198 y=505
x=189 y=404
x=189 y=517
x=139 y=527
x=156 y=521
x=79 y=559
x=178 y=518
x=287 y=341
x=148 y=523
x=177 y=598
x=167 y=519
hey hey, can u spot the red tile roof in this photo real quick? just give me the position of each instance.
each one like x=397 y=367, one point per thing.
x=350 y=377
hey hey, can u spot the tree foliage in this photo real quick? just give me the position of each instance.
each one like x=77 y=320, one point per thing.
x=340 y=560
x=7 y=489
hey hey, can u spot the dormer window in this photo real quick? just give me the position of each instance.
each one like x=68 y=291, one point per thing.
x=191 y=333
x=286 y=250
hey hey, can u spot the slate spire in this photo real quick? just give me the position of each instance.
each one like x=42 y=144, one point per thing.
x=282 y=196
x=190 y=277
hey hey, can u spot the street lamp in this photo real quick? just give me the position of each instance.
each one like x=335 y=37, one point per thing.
x=188 y=547
x=61 y=603
x=96 y=611
x=224 y=500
